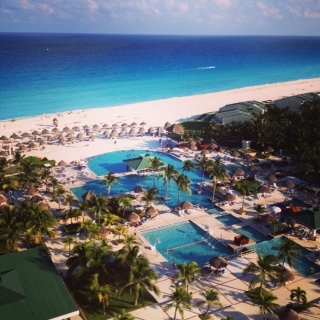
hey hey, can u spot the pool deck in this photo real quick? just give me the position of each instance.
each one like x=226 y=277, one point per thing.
x=231 y=285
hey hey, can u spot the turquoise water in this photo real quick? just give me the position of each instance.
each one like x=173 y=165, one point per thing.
x=229 y=220
x=302 y=264
x=251 y=233
x=184 y=243
x=51 y=73
x=215 y=210
x=113 y=162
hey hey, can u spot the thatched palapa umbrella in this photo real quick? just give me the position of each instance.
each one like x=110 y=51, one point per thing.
x=288 y=314
x=4 y=138
x=45 y=131
x=134 y=217
x=289 y=184
x=106 y=133
x=105 y=126
x=141 y=131
x=152 y=212
x=55 y=130
x=15 y=136
x=151 y=130
x=229 y=197
x=186 y=205
x=218 y=262
x=272 y=178
x=62 y=163
x=268 y=150
x=254 y=169
x=89 y=198
x=214 y=146
x=239 y=172
x=167 y=125
x=176 y=128
x=142 y=123
x=138 y=189
x=264 y=189
x=122 y=133
x=3 y=200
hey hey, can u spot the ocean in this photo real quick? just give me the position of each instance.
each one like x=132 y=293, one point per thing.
x=51 y=73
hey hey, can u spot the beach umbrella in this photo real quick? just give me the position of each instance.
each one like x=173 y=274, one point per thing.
x=151 y=130
x=289 y=184
x=124 y=125
x=76 y=128
x=167 y=125
x=72 y=139
x=186 y=205
x=19 y=144
x=32 y=191
x=4 y=138
x=123 y=133
x=134 y=217
x=254 y=169
x=239 y=172
x=25 y=135
x=42 y=142
x=35 y=133
x=133 y=124
x=62 y=140
x=55 y=130
x=176 y=128
x=32 y=145
x=214 y=146
x=3 y=200
x=138 y=189
x=80 y=136
x=218 y=262
x=86 y=127
x=275 y=209
x=141 y=131
x=96 y=127
x=45 y=131
x=89 y=197
x=113 y=134
x=133 y=132
x=268 y=150
x=115 y=125
x=249 y=157
x=106 y=133
x=69 y=134
x=142 y=123
x=264 y=189
x=23 y=148
x=287 y=275
x=62 y=163
x=152 y=212
x=66 y=129
x=229 y=197
x=105 y=126
x=160 y=130
x=14 y=136
x=288 y=314
x=272 y=178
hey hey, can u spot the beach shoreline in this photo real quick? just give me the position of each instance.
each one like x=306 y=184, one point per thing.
x=153 y=113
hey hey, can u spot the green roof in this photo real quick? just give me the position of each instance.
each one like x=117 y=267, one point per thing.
x=31 y=288
x=309 y=218
x=141 y=162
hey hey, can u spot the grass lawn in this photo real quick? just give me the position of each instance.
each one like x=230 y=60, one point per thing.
x=93 y=310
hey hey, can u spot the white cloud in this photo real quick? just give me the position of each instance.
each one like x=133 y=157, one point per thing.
x=92 y=5
x=46 y=8
x=184 y=7
x=269 y=11
x=225 y=3
x=295 y=11
x=312 y=15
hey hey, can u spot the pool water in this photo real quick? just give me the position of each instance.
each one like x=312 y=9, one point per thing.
x=184 y=243
x=113 y=162
x=302 y=264
x=229 y=220
x=251 y=233
x=214 y=210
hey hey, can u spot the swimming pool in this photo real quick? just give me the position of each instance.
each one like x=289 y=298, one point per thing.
x=302 y=264
x=251 y=233
x=185 y=242
x=214 y=210
x=229 y=220
x=113 y=162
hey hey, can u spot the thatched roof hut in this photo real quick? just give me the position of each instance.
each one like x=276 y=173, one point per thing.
x=218 y=262
x=134 y=217
x=186 y=205
x=152 y=212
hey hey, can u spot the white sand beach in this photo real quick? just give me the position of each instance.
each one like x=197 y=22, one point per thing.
x=153 y=113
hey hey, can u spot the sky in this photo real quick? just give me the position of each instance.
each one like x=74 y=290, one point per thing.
x=172 y=17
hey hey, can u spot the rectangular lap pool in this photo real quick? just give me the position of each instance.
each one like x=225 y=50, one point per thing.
x=185 y=242
x=229 y=220
x=251 y=233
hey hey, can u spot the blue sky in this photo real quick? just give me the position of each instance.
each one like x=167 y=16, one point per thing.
x=190 y=17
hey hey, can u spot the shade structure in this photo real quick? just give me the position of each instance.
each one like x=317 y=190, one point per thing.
x=66 y=129
x=26 y=134
x=288 y=314
x=96 y=127
x=249 y=157
x=89 y=197
x=105 y=126
x=124 y=124
x=218 y=262
x=239 y=172
x=62 y=163
x=176 y=128
x=151 y=130
x=138 y=189
x=268 y=150
x=133 y=124
x=167 y=124
x=76 y=128
x=92 y=137
x=23 y=148
x=15 y=136
x=86 y=127
x=122 y=133
x=142 y=123
x=254 y=169
x=270 y=218
x=272 y=178
x=289 y=184
x=141 y=131
x=134 y=217
x=43 y=205
x=115 y=125
x=287 y=275
x=186 y=205
x=275 y=209
x=264 y=189
x=229 y=197
x=3 y=200
x=55 y=130
x=3 y=138
x=106 y=133
x=152 y=212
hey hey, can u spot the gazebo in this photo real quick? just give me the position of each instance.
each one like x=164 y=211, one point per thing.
x=310 y=218
x=139 y=163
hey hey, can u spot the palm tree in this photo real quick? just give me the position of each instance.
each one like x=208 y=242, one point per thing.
x=260 y=209
x=169 y=174
x=8 y=184
x=120 y=230
x=129 y=240
x=100 y=206
x=86 y=226
x=110 y=180
x=41 y=223
x=17 y=158
x=102 y=292
x=69 y=198
x=203 y=165
x=128 y=254
x=68 y=241
x=124 y=316
x=211 y=299
x=189 y=272
x=124 y=202
x=182 y=182
x=180 y=299
x=265 y=300
x=94 y=232
x=288 y=251
x=150 y=195
x=246 y=190
x=155 y=165
x=46 y=175
x=29 y=171
x=299 y=294
x=72 y=213
x=188 y=165
x=141 y=276
x=264 y=269
x=110 y=220
x=217 y=172
x=57 y=195
x=11 y=229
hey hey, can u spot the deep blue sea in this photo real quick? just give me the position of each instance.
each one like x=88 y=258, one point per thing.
x=50 y=73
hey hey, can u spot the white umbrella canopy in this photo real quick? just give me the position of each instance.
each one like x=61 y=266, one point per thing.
x=275 y=209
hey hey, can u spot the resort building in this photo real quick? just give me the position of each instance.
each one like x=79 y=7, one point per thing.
x=31 y=288
x=240 y=112
x=295 y=102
